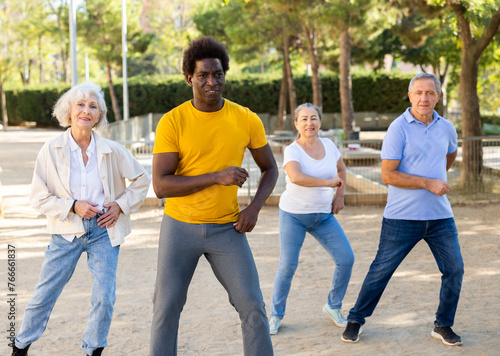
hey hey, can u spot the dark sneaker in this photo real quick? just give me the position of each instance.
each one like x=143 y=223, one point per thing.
x=20 y=352
x=98 y=351
x=351 y=332
x=446 y=335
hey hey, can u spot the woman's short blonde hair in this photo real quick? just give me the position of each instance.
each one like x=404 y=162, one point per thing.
x=62 y=109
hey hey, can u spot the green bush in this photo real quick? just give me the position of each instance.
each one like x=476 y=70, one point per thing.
x=382 y=93
x=490 y=118
x=33 y=105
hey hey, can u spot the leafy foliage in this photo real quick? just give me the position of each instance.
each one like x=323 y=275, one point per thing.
x=373 y=92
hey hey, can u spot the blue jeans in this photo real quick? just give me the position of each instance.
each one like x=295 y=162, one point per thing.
x=326 y=229
x=397 y=239
x=180 y=247
x=61 y=257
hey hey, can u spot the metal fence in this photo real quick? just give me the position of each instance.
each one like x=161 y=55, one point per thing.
x=364 y=179
x=137 y=128
x=475 y=175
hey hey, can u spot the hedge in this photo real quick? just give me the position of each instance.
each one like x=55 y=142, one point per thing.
x=490 y=118
x=381 y=93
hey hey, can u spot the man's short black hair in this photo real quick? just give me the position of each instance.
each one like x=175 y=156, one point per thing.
x=202 y=48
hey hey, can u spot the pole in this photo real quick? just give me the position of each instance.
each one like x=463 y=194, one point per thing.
x=124 y=60
x=72 y=41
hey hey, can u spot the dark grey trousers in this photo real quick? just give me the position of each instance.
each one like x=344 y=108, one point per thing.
x=180 y=247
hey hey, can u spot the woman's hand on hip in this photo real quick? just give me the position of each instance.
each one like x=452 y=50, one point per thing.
x=111 y=216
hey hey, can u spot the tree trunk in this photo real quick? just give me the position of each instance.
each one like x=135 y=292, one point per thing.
x=291 y=87
x=313 y=58
x=443 y=100
x=114 y=102
x=64 y=52
x=5 y=118
x=282 y=101
x=442 y=109
x=471 y=175
x=40 y=59
x=345 y=83
x=64 y=67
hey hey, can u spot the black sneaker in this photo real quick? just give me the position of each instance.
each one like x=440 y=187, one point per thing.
x=351 y=332
x=20 y=352
x=98 y=351
x=446 y=335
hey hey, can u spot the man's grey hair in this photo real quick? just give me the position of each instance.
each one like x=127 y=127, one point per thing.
x=425 y=76
x=62 y=109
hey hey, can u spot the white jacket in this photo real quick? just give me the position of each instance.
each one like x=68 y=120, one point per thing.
x=51 y=195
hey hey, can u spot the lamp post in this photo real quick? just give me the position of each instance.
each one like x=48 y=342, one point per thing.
x=124 y=60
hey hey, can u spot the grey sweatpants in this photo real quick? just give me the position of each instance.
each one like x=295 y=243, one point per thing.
x=180 y=247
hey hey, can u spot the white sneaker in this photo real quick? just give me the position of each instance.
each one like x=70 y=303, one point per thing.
x=336 y=315
x=274 y=325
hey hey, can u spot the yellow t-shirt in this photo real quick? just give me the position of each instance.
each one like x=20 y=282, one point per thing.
x=208 y=142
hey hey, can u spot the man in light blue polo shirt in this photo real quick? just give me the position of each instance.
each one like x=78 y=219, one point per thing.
x=418 y=149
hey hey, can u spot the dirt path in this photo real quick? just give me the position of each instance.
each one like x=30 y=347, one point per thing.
x=401 y=324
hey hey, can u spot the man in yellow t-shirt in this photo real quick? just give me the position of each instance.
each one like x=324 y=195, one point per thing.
x=198 y=152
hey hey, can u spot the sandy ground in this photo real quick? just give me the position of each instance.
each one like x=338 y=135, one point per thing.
x=401 y=324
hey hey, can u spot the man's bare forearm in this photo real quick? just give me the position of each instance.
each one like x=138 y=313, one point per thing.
x=170 y=186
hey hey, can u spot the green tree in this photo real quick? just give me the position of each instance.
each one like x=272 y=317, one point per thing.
x=440 y=52
x=253 y=28
x=10 y=50
x=60 y=30
x=36 y=30
x=171 y=22
x=426 y=38
x=346 y=16
x=101 y=26
x=489 y=78
x=478 y=23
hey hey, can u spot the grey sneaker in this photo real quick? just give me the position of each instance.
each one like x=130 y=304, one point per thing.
x=336 y=315
x=274 y=325
x=351 y=332
x=447 y=336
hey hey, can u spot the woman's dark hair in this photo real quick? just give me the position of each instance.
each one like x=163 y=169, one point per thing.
x=201 y=48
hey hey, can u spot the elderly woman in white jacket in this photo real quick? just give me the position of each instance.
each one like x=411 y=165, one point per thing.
x=80 y=184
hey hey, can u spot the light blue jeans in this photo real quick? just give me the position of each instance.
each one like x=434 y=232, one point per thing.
x=61 y=257
x=326 y=229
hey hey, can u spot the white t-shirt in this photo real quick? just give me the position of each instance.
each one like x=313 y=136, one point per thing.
x=305 y=200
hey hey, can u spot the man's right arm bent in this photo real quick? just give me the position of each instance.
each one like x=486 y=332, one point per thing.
x=166 y=184
x=391 y=175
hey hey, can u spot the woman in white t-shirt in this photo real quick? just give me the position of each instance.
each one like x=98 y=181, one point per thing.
x=313 y=168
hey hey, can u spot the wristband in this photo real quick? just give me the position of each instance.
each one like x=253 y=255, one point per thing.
x=73 y=206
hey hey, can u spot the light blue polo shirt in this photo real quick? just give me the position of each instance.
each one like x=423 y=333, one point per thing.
x=422 y=150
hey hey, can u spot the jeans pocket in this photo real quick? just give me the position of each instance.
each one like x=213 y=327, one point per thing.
x=60 y=240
